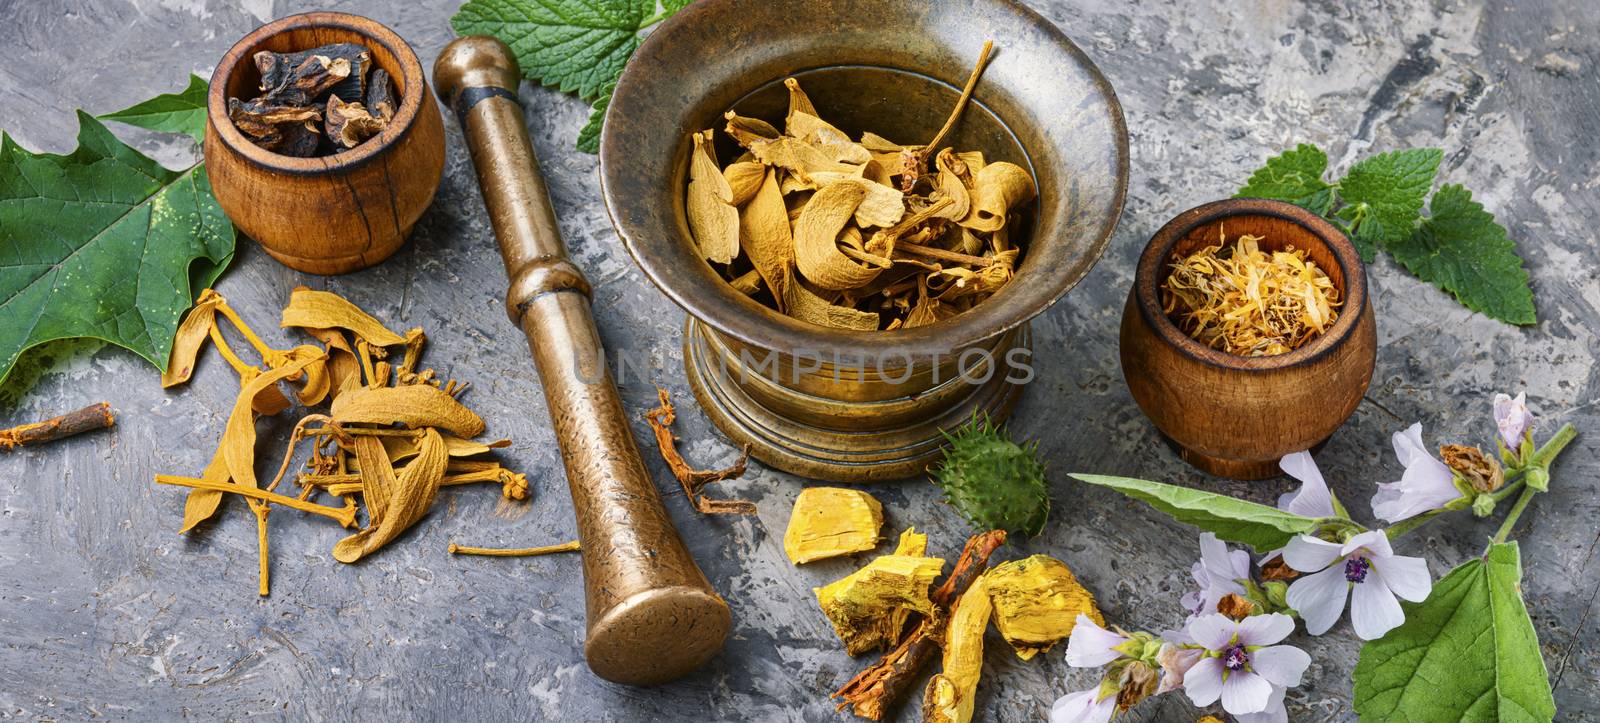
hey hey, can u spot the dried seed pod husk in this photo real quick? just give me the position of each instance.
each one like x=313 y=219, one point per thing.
x=952 y=692
x=713 y=220
x=998 y=189
x=1037 y=601
x=764 y=233
x=816 y=234
x=349 y=124
x=190 y=337
x=862 y=605
x=821 y=135
x=806 y=305
x=744 y=179
x=746 y=130
x=412 y=405
x=312 y=309
x=831 y=521
x=380 y=99
x=799 y=102
x=406 y=496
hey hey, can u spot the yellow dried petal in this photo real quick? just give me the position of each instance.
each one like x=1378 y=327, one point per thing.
x=713 y=220
x=816 y=234
x=191 y=335
x=311 y=309
x=876 y=143
x=829 y=522
x=952 y=693
x=744 y=179
x=860 y=605
x=1241 y=300
x=1036 y=603
x=821 y=135
x=746 y=131
x=998 y=188
x=413 y=405
x=398 y=448
x=799 y=102
x=764 y=234
x=408 y=496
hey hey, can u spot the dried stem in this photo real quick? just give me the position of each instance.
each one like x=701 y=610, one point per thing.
x=661 y=419
x=938 y=254
x=88 y=419
x=345 y=516
x=514 y=551
x=966 y=95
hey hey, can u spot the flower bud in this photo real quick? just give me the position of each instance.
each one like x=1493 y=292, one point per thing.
x=1537 y=478
x=1483 y=505
x=1480 y=471
x=1277 y=593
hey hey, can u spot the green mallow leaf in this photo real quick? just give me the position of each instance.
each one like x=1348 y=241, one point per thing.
x=1235 y=520
x=1384 y=194
x=102 y=243
x=183 y=112
x=1461 y=249
x=1467 y=653
x=575 y=46
x=589 y=136
x=1294 y=176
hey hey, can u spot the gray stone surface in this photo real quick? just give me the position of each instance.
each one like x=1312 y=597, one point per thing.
x=106 y=611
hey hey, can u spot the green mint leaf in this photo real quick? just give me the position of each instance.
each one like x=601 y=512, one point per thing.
x=1294 y=176
x=102 y=243
x=1235 y=520
x=183 y=112
x=673 y=6
x=1467 y=653
x=1461 y=249
x=589 y=136
x=1384 y=194
x=575 y=46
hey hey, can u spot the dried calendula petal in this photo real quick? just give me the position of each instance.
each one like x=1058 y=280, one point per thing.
x=1036 y=602
x=744 y=179
x=413 y=405
x=859 y=605
x=191 y=335
x=998 y=189
x=765 y=236
x=816 y=234
x=407 y=496
x=712 y=217
x=829 y=522
x=311 y=309
x=1243 y=300
x=951 y=693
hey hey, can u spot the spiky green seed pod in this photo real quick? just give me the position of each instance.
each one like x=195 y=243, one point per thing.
x=994 y=482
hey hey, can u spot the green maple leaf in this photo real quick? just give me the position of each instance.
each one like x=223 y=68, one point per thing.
x=1461 y=250
x=1294 y=176
x=1467 y=653
x=102 y=243
x=589 y=136
x=183 y=112
x=575 y=46
x=1384 y=194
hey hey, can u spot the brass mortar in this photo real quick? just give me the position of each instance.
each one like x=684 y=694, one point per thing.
x=852 y=405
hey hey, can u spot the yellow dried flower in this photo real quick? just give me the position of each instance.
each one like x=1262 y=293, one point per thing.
x=1246 y=301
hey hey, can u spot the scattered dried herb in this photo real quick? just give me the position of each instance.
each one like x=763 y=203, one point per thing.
x=1242 y=300
x=862 y=235
x=831 y=521
x=316 y=102
x=392 y=436
x=88 y=419
x=572 y=546
x=661 y=419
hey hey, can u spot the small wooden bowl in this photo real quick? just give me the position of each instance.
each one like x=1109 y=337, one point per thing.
x=338 y=213
x=1231 y=415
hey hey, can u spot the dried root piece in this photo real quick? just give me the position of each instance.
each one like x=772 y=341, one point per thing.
x=380 y=99
x=869 y=607
x=287 y=118
x=88 y=419
x=1037 y=602
x=951 y=693
x=269 y=125
x=661 y=419
x=831 y=521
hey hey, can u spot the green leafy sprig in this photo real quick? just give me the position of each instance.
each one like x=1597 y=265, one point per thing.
x=1458 y=247
x=104 y=242
x=574 y=46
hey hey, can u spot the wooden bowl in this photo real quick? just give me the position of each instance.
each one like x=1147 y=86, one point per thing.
x=863 y=405
x=1231 y=415
x=338 y=213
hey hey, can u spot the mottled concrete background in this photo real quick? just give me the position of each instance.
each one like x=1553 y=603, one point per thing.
x=106 y=611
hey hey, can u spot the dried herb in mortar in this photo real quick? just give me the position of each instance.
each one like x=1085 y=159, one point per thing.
x=316 y=102
x=1242 y=300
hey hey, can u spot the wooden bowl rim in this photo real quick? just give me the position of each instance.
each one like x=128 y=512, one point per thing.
x=1153 y=263
x=372 y=31
x=731 y=313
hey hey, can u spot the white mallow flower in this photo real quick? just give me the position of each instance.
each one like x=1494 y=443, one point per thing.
x=1365 y=570
x=1427 y=484
x=1243 y=666
x=1092 y=646
x=1513 y=419
x=1313 y=498
x=1217 y=574
x=1088 y=706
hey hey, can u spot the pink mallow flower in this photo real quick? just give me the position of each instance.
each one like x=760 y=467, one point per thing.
x=1427 y=484
x=1217 y=574
x=1092 y=646
x=1087 y=706
x=1242 y=665
x=1513 y=419
x=1363 y=569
